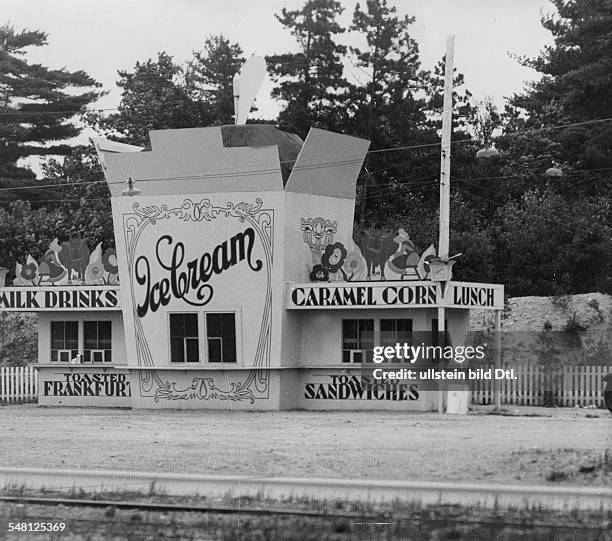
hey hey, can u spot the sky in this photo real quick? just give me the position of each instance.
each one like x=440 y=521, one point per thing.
x=103 y=36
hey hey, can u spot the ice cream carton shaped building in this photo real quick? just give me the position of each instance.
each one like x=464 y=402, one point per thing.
x=236 y=283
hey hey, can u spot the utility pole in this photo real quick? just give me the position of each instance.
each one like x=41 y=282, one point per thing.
x=496 y=382
x=445 y=156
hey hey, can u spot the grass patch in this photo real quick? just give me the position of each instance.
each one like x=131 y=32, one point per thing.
x=393 y=521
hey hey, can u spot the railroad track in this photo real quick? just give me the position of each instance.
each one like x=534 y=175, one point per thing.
x=279 y=488
x=492 y=519
x=181 y=507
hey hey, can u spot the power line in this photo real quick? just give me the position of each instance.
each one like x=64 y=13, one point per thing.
x=51 y=185
x=321 y=165
x=74 y=112
x=559 y=126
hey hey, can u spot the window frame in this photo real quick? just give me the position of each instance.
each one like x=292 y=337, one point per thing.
x=184 y=362
x=98 y=349
x=237 y=338
x=342 y=340
x=376 y=339
x=397 y=340
x=78 y=349
x=204 y=359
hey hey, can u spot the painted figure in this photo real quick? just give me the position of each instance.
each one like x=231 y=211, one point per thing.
x=74 y=255
x=50 y=268
x=405 y=260
x=376 y=248
x=318 y=233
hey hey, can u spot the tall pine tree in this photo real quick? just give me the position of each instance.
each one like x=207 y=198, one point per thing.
x=386 y=107
x=575 y=87
x=310 y=83
x=38 y=106
x=210 y=74
x=153 y=97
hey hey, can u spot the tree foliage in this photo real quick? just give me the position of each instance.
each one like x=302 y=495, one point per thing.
x=310 y=83
x=209 y=78
x=513 y=224
x=550 y=246
x=85 y=198
x=38 y=107
x=575 y=87
x=152 y=98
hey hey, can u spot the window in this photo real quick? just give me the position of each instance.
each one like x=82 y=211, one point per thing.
x=395 y=331
x=437 y=337
x=221 y=337
x=64 y=341
x=357 y=340
x=184 y=344
x=97 y=342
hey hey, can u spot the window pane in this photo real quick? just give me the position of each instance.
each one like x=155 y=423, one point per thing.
x=72 y=334
x=90 y=334
x=229 y=350
x=177 y=325
x=228 y=324
x=193 y=355
x=349 y=328
x=213 y=324
x=177 y=350
x=366 y=333
x=108 y=358
x=57 y=334
x=404 y=325
x=388 y=332
x=228 y=327
x=104 y=334
x=214 y=350
x=394 y=331
x=388 y=325
x=357 y=340
x=221 y=334
x=191 y=325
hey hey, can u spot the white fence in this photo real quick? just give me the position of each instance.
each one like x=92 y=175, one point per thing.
x=18 y=384
x=535 y=386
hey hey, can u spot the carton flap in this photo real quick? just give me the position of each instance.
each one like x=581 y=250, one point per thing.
x=328 y=164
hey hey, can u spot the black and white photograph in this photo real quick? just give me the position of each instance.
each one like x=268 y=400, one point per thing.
x=306 y=270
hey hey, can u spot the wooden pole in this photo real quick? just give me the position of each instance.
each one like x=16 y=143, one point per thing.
x=496 y=382
x=445 y=155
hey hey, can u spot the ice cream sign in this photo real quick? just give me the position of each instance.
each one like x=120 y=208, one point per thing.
x=186 y=278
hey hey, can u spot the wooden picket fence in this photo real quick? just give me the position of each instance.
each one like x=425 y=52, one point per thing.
x=18 y=384
x=536 y=386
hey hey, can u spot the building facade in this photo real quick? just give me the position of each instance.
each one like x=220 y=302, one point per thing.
x=236 y=282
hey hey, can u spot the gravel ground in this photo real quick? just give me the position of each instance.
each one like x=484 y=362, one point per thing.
x=528 y=445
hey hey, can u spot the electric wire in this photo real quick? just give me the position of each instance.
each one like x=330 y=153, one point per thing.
x=270 y=171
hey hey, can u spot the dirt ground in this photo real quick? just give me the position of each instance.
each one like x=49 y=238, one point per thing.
x=530 y=445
